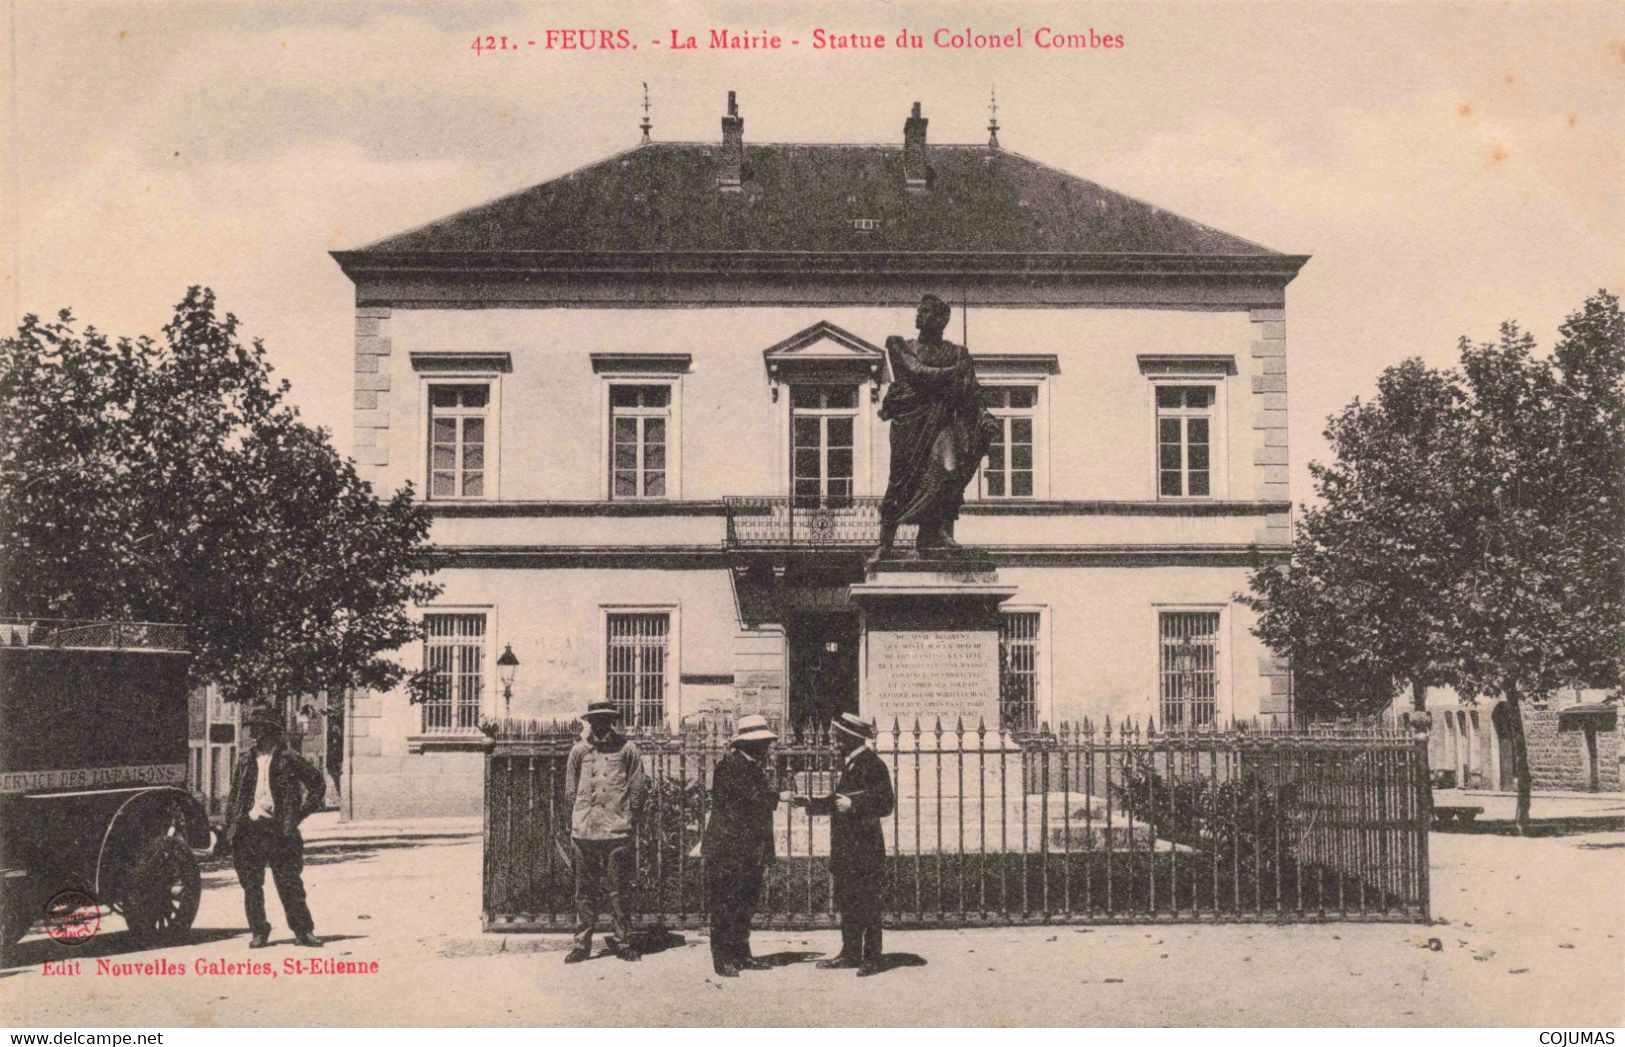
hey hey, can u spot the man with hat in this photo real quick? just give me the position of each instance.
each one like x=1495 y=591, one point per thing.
x=272 y=790
x=603 y=790
x=738 y=844
x=857 y=849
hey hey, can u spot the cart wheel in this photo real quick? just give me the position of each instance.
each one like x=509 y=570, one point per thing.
x=164 y=891
x=16 y=916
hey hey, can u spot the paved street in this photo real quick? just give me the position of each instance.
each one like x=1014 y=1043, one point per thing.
x=1532 y=933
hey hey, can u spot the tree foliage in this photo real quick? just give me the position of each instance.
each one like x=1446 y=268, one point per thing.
x=169 y=480
x=1472 y=531
x=1360 y=606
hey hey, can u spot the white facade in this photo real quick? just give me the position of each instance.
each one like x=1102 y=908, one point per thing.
x=613 y=457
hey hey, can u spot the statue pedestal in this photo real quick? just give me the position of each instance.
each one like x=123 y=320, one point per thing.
x=931 y=646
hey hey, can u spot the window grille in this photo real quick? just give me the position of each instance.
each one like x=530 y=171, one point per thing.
x=454 y=651
x=640 y=419
x=1018 y=670
x=1009 y=469
x=635 y=662
x=1184 y=441
x=457 y=438
x=1189 y=668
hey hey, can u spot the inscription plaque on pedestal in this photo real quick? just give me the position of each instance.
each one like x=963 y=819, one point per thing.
x=931 y=673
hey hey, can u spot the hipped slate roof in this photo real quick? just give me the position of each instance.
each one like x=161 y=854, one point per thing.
x=664 y=197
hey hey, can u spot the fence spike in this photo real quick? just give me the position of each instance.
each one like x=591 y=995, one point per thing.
x=916 y=731
x=939 y=732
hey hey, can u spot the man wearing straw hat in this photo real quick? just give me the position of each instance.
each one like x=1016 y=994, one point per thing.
x=738 y=844
x=603 y=790
x=857 y=848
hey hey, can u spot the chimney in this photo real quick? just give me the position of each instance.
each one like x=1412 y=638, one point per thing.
x=914 y=166
x=732 y=169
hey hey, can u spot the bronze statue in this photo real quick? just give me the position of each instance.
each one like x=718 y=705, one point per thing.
x=940 y=431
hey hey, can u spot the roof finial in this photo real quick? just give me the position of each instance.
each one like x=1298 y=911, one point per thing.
x=993 y=118
x=646 y=125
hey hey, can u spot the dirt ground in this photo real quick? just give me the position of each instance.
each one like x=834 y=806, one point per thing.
x=1530 y=932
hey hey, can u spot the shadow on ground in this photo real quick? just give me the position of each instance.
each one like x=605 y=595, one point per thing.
x=1538 y=827
x=657 y=939
x=336 y=851
x=40 y=950
x=785 y=959
x=893 y=960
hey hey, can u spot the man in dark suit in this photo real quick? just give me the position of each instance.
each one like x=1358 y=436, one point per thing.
x=857 y=848
x=272 y=791
x=738 y=844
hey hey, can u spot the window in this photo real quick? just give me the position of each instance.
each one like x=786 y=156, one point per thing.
x=635 y=666
x=1185 y=441
x=457 y=440
x=1188 y=668
x=640 y=419
x=454 y=651
x=1018 y=670
x=822 y=421
x=1009 y=469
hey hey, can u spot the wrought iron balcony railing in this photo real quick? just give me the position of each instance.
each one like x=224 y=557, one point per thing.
x=783 y=522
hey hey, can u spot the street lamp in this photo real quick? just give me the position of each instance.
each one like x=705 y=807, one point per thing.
x=507 y=666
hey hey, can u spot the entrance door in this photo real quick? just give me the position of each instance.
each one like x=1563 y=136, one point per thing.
x=1593 y=769
x=823 y=667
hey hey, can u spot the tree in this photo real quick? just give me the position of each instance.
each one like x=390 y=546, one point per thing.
x=1360 y=604
x=1542 y=600
x=1472 y=531
x=171 y=481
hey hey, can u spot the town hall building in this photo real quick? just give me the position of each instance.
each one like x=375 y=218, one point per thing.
x=640 y=401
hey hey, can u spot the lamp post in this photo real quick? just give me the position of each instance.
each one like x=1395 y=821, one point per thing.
x=507 y=667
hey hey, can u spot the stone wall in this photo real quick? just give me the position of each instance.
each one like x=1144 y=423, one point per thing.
x=1558 y=754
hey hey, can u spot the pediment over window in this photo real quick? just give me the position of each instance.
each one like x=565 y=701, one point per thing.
x=1017 y=363
x=462 y=361
x=1182 y=364
x=641 y=363
x=825 y=353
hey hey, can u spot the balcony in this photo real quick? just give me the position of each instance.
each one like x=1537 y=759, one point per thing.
x=1018 y=526
x=784 y=523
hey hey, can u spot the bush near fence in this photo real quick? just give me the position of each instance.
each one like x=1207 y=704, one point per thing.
x=1072 y=825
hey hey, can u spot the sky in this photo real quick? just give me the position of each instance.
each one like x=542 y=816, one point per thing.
x=1448 y=166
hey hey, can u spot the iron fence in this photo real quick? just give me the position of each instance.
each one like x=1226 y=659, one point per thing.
x=1081 y=824
x=65 y=632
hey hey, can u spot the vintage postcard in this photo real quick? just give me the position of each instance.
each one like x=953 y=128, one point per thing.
x=812 y=514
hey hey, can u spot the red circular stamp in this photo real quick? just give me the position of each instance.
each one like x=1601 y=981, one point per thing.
x=72 y=916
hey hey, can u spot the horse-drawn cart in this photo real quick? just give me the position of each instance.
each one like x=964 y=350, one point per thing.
x=93 y=798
